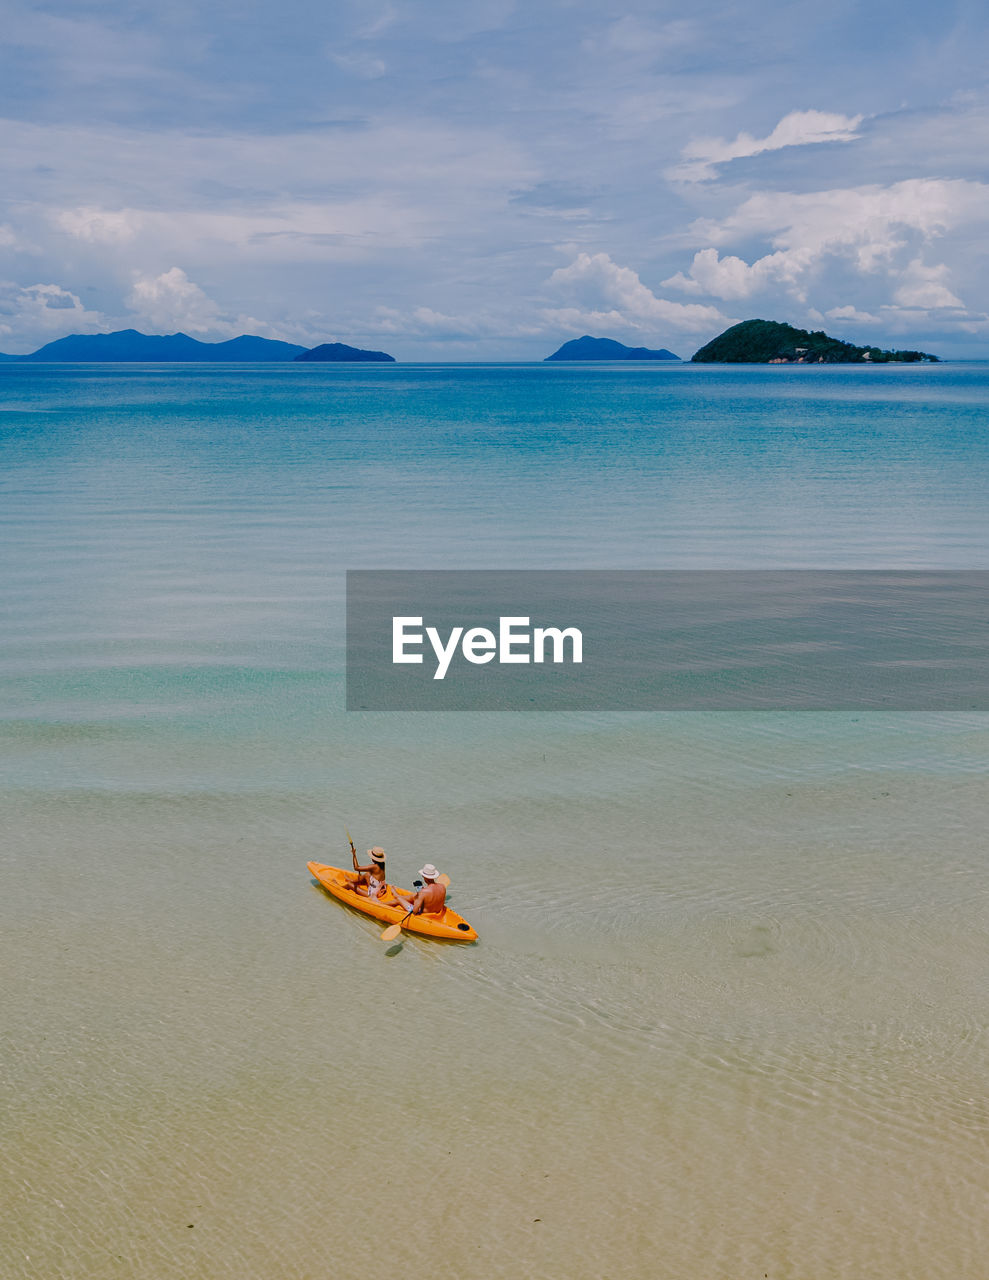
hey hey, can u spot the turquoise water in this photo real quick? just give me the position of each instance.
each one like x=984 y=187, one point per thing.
x=727 y=1012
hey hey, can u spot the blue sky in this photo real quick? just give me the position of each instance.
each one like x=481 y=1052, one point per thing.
x=485 y=180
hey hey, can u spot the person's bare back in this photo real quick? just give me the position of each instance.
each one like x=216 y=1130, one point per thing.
x=431 y=898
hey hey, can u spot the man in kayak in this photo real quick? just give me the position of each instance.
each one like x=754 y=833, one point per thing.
x=370 y=880
x=431 y=898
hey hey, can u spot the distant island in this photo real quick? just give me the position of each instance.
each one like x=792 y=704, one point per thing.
x=770 y=342
x=588 y=348
x=340 y=352
x=129 y=345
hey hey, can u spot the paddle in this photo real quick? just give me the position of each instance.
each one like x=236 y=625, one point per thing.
x=353 y=851
x=394 y=930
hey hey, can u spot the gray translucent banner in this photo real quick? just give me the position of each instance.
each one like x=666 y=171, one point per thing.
x=712 y=640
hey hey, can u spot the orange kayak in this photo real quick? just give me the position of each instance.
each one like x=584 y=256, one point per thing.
x=446 y=924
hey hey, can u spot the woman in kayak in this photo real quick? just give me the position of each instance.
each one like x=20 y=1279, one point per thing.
x=370 y=880
x=431 y=898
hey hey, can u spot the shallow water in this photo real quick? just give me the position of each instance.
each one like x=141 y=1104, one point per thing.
x=727 y=1014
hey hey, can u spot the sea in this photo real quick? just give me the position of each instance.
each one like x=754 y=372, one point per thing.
x=727 y=1014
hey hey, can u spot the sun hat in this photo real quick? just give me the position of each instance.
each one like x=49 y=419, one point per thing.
x=429 y=872
x=377 y=854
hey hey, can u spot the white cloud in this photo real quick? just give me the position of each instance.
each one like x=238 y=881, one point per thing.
x=604 y=298
x=852 y=315
x=907 y=320
x=732 y=278
x=39 y=312
x=98 y=226
x=426 y=323
x=925 y=287
x=335 y=194
x=872 y=216
x=299 y=231
x=702 y=156
x=872 y=228
x=610 y=294
x=171 y=302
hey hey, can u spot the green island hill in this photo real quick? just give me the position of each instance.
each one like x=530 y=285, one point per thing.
x=771 y=342
x=341 y=353
x=588 y=348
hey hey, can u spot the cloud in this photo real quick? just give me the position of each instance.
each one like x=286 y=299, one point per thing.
x=39 y=312
x=130 y=239
x=925 y=287
x=950 y=320
x=800 y=128
x=871 y=228
x=611 y=295
x=733 y=278
x=852 y=315
x=98 y=226
x=427 y=324
x=330 y=195
x=871 y=216
x=424 y=322
x=607 y=297
x=171 y=302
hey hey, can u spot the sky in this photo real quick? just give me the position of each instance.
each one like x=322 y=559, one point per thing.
x=446 y=180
